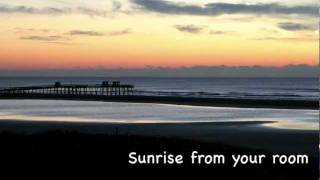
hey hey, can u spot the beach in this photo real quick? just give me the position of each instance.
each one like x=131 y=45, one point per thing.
x=278 y=130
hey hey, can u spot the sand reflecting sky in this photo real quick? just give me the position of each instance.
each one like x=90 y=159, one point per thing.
x=106 y=112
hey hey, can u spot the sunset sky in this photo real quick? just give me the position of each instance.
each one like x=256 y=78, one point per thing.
x=48 y=34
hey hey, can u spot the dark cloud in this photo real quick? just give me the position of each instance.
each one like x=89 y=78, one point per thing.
x=65 y=38
x=190 y=28
x=85 y=33
x=196 y=71
x=44 y=38
x=91 y=12
x=215 y=9
x=295 y=27
x=218 y=32
x=116 y=5
x=96 y=33
x=51 y=10
x=49 y=39
x=20 y=30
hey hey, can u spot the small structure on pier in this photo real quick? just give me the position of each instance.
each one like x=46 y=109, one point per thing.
x=103 y=89
x=57 y=84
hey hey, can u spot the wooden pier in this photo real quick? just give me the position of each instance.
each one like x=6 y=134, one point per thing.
x=103 y=89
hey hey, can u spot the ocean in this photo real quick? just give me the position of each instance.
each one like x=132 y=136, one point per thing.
x=259 y=88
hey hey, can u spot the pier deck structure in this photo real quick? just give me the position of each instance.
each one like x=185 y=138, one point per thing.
x=104 y=89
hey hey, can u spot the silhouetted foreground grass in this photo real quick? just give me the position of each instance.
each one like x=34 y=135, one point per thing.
x=107 y=154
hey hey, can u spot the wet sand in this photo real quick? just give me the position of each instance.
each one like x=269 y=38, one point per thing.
x=194 y=101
